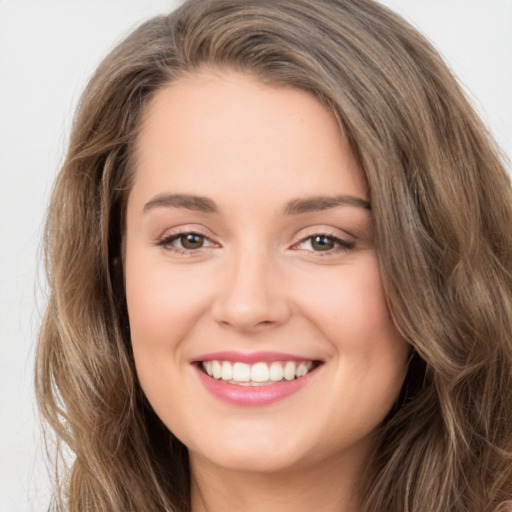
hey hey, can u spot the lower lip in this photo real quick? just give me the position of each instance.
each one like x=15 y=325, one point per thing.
x=253 y=395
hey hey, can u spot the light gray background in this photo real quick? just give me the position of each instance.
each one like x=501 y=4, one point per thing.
x=48 y=48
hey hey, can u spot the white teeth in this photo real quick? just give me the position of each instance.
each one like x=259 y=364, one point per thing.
x=276 y=371
x=216 y=370
x=241 y=372
x=227 y=371
x=258 y=373
x=289 y=370
x=302 y=370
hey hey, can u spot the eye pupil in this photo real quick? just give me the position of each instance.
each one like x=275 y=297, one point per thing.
x=322 y=243
x=192 y=241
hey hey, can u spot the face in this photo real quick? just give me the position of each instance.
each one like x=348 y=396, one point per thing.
x=259 y=325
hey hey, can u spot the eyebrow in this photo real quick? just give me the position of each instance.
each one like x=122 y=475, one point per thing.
x=190 y=202
x=293 y=207
x=319 y=203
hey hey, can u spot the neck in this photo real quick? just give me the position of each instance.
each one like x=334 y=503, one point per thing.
x=332 y=486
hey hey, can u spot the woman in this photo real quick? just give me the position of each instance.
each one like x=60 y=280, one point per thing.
x=279 y=252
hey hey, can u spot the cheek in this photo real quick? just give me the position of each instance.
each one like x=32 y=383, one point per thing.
x=164 y=303
x=370 y=354
x=353 y=312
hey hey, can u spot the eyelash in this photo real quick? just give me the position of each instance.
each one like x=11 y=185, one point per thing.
x=167 y=241
x=341 y=245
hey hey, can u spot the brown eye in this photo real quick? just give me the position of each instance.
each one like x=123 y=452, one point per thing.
x=186 y=243
x=325 y=244
x=191 y=241
x=322 y=243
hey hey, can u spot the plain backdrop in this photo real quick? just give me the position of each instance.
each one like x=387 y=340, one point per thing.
x=48 y=49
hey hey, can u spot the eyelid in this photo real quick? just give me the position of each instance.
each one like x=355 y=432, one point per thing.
x=173 y=234
x=325 y=230
x=183 y=229
x=342 y=243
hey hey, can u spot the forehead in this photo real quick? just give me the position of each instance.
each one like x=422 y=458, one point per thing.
x=211 y=129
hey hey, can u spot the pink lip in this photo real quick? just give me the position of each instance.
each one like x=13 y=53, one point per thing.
x=253 y=395
x=249 y=358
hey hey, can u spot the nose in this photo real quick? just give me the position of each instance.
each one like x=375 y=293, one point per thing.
x=251 y=297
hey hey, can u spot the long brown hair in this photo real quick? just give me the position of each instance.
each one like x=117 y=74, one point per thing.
x=442 y=210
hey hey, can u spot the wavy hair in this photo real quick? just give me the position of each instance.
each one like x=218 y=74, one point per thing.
x=442 y=211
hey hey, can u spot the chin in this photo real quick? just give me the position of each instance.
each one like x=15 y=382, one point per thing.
x=254 y=454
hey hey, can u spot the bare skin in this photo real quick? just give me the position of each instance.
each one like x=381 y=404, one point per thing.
x=325 y=487
x=249 y=233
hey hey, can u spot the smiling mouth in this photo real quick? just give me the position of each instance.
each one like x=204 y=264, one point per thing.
x=257 y=374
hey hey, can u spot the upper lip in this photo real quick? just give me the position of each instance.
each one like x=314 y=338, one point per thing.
x=250 y=357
